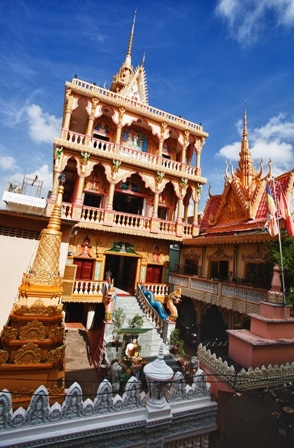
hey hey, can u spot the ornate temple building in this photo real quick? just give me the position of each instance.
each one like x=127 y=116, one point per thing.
x=224 y=270
x=131 y=184
x=133 y=176
x=129 y=175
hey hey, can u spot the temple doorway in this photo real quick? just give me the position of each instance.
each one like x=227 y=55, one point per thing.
x=124 y=269
x=75 y=313
x=213 y=326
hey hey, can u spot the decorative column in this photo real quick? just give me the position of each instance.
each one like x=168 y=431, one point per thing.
x=198 y=147
x=78 y=202
x=109 y=205
x=155 y=204
x=195 y=229
x=180 y=209
x=90 y=126
x=80 y=189
x=90 y=315
x=205 y=439
x=121 y=113
x=183 y=153
x=161 y=138
x=158 y=374
x=67 y=114
x=186 y=208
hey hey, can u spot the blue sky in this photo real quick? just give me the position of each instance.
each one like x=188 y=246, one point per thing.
x=203 y=60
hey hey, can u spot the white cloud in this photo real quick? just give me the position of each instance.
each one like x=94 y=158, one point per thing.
x=274 y=140
x=7 y=163
x=42 y=126
x=246 y=18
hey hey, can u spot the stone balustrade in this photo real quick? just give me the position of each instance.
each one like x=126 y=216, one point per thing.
x=244 y=299
x=137 y=223
x=96 y=146
x=142 y=108
x=83 y=287
x=184 y=412
x=253 y=378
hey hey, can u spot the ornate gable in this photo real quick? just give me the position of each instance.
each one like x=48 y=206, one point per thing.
x=136 y=89
x=230 y=208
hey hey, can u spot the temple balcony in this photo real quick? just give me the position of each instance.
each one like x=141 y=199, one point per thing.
x=103 y=219
x=115 y=99
x=235 y=297
x=103 y=149
x=82 y=291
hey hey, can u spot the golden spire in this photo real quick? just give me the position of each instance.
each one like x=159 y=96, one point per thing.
x=126 y=72
x=43 y=279
x=128 y=60
x=246 y=170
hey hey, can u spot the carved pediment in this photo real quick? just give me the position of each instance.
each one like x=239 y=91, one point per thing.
x=28 y=354
x=220 y=254
x=33 y=330
x=230 y=208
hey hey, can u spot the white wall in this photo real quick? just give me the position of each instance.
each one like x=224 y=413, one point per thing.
x=16 y=256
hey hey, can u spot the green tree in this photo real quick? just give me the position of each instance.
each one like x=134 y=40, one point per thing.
x=287 y=244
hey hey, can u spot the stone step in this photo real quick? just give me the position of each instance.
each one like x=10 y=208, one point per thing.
x=149 y=339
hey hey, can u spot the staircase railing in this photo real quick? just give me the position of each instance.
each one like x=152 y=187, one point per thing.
x=149 y=310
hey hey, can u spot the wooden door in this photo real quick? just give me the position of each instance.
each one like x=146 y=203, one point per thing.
x=84 y=269
x=154 y=274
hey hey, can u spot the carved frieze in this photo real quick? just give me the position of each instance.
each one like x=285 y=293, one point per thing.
x=260 y=254
x=56 y=334
x=37 y=308
x=4 y=355
x=192 y=255
x=33 y=330
x=57 y=354
x=9 y=333
x=28 y=354
x=220 y=253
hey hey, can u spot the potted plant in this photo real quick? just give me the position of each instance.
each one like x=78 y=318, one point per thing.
x=119 y=317
x=176 y=343
x=137 y=321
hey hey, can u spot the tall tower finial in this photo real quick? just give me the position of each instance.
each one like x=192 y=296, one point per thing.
x=246 y=170
x=245 y=133
x=44 y=281
x=130 y=46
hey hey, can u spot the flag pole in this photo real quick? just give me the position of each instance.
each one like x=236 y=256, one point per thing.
x=280 y=246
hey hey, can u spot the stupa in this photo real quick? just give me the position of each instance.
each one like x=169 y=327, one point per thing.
x=270 y=339
x=32 y=341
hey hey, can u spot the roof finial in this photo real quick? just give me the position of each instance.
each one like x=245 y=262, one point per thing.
x=129 y=52
x=245 y=134
x=143 y=59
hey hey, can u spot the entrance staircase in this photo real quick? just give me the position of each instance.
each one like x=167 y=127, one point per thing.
x=149 y=338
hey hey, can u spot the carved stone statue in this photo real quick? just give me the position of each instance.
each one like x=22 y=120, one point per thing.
x=109 y=301
x=132 y=350
x=173 y=299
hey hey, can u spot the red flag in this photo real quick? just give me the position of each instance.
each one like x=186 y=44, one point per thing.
x=271 y=213
x=285 y=214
